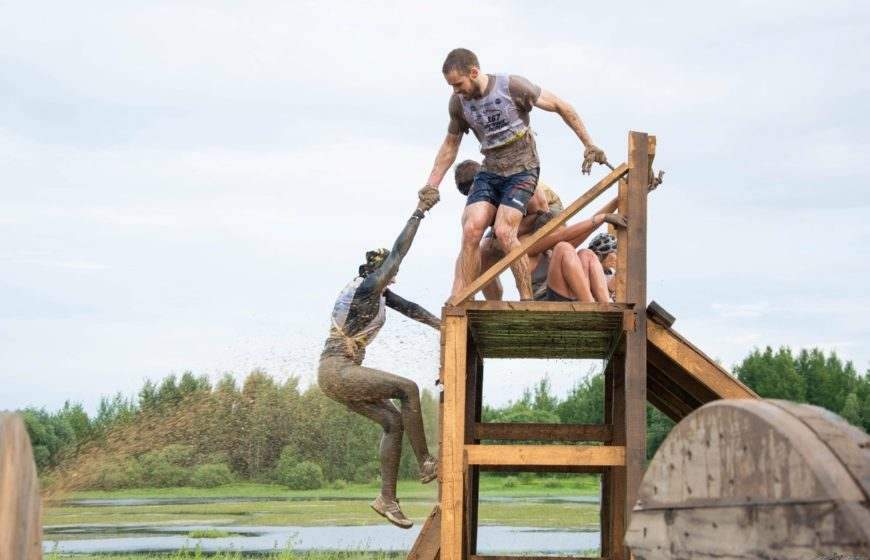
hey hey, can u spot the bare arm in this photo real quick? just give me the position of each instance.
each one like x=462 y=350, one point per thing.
x=548 y=101
x=445 y=158
x=575 y=233
x=411 y=310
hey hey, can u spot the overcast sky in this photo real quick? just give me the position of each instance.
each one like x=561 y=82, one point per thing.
x=188 y=185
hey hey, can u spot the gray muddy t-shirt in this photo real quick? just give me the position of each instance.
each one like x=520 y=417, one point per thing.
x=508 y=144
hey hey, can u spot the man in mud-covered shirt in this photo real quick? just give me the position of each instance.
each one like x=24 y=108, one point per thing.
x=496 y=108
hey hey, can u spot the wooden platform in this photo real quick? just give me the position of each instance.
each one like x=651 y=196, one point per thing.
x=546 y=329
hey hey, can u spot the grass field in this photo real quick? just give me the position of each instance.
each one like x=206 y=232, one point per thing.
x=331 y=509
x=490 y=485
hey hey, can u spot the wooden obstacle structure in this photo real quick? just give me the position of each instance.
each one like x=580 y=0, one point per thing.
x=756 y=479
x=20 y=505
x=645 y=361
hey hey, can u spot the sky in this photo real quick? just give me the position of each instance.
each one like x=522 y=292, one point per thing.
x=187 y=185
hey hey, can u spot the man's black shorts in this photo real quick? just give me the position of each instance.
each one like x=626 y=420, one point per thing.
x=514 y=190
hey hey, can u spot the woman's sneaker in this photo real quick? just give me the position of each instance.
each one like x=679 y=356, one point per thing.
x=429 y=470
x=391 y=510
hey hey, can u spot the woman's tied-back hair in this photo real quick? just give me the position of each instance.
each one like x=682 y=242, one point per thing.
x=460 y=60
x=464 y=175
x=374 y=259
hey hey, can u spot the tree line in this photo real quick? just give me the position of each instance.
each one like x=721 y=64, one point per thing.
x=186 y=430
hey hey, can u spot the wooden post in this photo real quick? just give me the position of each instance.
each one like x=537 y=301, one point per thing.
x=616 y=476
x=473 y=410
x=635 y=292
x=20 y=505
x=453 y=544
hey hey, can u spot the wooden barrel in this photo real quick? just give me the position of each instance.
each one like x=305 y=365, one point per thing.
x=756 y=479
x=20 y=506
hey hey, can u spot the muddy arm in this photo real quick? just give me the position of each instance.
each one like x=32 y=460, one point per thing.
x=378 y=280
x=411 y=310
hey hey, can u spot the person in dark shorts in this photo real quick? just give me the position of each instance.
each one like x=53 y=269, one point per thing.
x=358 y=315
x=542 y=206
x=496 y=108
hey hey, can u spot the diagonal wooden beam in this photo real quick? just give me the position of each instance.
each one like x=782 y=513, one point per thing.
x=548 y=228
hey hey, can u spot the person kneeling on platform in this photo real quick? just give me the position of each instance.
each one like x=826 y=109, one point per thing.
x=359 y=314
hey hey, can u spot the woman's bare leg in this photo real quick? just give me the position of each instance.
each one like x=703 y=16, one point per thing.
x=566 y=275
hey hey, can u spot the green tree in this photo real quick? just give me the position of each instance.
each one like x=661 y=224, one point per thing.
x=772 y=376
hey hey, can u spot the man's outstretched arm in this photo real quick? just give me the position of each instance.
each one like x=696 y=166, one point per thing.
x=411 y=310
x=548 y=101
x=444 y=159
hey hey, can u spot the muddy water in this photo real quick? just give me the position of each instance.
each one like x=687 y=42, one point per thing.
x=145 y=538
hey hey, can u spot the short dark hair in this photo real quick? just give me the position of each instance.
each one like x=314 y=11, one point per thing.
x=460 y=60
x=464 y=175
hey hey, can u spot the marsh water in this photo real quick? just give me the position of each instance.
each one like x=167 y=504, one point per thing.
x=143 y=537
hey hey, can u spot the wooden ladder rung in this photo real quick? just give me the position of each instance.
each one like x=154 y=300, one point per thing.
x=543 y=432
x=482 y=557
x=546 y=455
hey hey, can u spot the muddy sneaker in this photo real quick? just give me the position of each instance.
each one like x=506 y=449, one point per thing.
x=391 y=510
x=429 y=470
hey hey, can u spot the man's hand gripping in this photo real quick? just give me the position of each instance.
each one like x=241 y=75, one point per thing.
x=429 y=197
x=592 y=154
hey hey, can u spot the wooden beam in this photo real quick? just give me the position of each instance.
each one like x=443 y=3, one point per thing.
x=635 y=292
x=696 y=363
x=473 y=413
x=453 y=437
x=479 y=557
x=543 y=432
x=575 y=469
x=614 y=479
x=20 y=503
x=428 y=542
x=548 y=228
x=659 y=314
x=544 y=306
x=545 y=455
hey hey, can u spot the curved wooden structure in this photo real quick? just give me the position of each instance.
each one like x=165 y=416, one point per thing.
x=20 y=506
x=756 y=479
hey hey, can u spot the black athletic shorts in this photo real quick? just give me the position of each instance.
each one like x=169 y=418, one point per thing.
x=514 y=190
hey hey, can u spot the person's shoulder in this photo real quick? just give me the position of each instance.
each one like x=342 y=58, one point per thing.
x=522 y=88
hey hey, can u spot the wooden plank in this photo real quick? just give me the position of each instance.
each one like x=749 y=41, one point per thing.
x=473 y=410
x=479 y=557
x=668 y=396
x=20 y=504
x=543 y=432
x=677 y=381
x=548 y=228
x=616 y=480
x=453 y=428
x=545 y=455
x=544 y=306
x=657 y=313
x=635 y=292
x=574 y=469
x=428 y=543
x=748 y=478
x=696 y=363
x=622 y=245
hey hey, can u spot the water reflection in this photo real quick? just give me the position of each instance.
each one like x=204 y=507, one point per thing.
x=150 y=538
